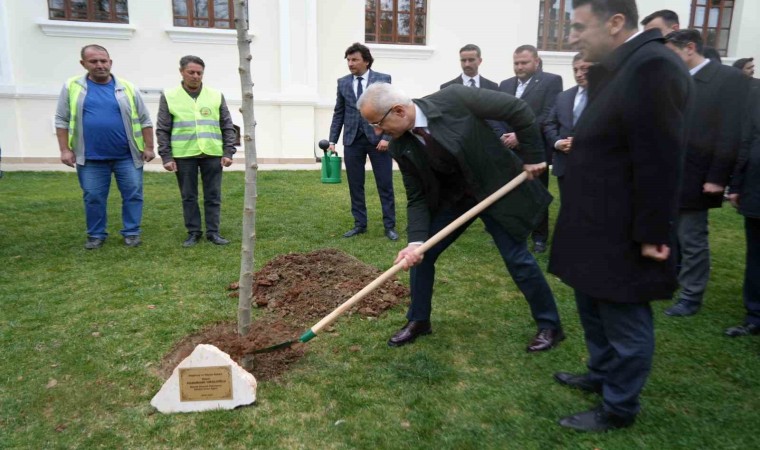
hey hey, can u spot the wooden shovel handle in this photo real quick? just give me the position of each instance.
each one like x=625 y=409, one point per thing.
x=470 y=214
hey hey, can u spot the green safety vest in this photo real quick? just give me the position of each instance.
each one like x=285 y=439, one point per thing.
x=75 y=90
x=195 y=122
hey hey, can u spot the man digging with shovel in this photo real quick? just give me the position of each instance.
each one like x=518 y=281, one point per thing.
x=450 y=160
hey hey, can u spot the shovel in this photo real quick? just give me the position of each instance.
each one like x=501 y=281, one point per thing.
x=470 y=214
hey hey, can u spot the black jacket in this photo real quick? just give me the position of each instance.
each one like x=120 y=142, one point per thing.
x=559 y=125
x=746 y=178
x=620 y=188
x=714 y=133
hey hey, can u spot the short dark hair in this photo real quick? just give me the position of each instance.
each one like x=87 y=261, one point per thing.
x=578 y=56
x=667 y=16
x=470 y=48
x=712 y=53
x=187 y=59
x=527 y=48
x=366 y=55
x=95 y=46
x=682 y=38
x=604 y=9
x=741 y=62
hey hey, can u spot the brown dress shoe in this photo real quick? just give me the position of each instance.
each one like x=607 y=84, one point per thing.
x=410 y=332
x=545 y=339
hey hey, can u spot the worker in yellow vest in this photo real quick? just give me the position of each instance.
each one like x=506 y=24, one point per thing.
x=195 y=134
x=104 y=128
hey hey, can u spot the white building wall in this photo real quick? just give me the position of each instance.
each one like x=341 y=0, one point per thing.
x=297 y=48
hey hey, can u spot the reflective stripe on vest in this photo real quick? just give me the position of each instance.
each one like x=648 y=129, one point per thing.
x=195 y=122
x=75 y=90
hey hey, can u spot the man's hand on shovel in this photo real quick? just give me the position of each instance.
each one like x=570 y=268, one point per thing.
x=534 y=170
x=408 y=256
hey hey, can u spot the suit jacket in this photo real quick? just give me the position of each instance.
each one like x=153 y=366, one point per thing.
x=559 y=125
x=347 y=116
x=746 y=178
x=485 y=83
x=620 y=188
x=714 y=133
x=457 y=120
x=540 y=95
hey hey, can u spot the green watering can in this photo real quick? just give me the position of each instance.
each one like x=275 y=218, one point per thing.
x=331 y=163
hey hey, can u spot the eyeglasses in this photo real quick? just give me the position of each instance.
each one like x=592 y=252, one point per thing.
x=379 y=123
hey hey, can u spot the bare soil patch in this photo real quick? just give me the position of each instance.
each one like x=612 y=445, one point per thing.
x=293 y=291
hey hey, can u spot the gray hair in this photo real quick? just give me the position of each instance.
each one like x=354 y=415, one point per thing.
x=383 y=96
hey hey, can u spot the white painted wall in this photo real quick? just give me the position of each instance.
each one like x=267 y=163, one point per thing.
x=297 y=48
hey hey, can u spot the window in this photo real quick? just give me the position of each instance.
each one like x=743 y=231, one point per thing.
x=395 y=21
x=113 y=11
x=554 y=25
x=713 y=19
x=204 y=13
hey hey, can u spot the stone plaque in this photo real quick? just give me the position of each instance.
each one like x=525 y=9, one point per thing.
x=205 y=383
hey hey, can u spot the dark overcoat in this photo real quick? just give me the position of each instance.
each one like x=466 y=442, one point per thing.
x=620 y=188
x=457 y=120
x=746 y=179
x=714 y=133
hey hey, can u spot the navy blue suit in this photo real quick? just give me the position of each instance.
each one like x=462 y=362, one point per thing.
x=559 y=125
x=360 y=141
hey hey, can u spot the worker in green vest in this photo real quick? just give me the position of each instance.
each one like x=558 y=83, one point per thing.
x=195 y=134
x=104 y=128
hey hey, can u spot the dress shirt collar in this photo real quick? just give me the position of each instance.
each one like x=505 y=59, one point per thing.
x=693 y=71
x=420 y=121
x=466 y=80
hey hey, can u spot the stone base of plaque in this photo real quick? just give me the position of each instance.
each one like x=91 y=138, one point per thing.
x=207 y=379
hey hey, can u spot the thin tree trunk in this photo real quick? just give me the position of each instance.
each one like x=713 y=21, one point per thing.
x=251 y=170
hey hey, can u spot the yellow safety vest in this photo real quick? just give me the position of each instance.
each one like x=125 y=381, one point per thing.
x=195 y=122
x=75 y=90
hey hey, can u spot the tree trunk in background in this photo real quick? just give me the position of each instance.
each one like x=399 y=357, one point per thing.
x=251 y=169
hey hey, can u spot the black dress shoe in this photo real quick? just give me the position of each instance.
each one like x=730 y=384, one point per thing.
x=354 y=231
x=410 y=332
x=743 y=330
x=391 y=234
x=539 y=247
x=582 y=382
x=683 y=308
x=545 y=339
x=215 y=239
x=596 y=420
x=192 y=239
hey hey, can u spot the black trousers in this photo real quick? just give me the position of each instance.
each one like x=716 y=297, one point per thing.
x=541 y=232
x=210 y=169
x=752 y=271
x=355 y=157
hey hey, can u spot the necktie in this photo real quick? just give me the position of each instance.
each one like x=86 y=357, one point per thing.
x=579 y=106
x=359 y=89
x=472 y=83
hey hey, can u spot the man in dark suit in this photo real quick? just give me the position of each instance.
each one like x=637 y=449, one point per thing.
x=451 y=162
x=567 y=109
x=360 y=141
x=713 y=143
x=614 y=232
x=745 y=196
x=538 y=89
x=469 y=58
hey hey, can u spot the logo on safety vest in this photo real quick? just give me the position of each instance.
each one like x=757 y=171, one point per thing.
x=205 y=111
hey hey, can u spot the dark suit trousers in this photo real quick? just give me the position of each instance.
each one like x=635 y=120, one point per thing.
x=620 y=342
x=355 y=157
x=519 y=261
x=541 y=232
x=211 y=177
x=752 y=271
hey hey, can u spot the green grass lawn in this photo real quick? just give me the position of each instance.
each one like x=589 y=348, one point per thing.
x=81 y=330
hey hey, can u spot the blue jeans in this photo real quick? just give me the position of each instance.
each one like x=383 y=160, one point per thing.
x=95 y=180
